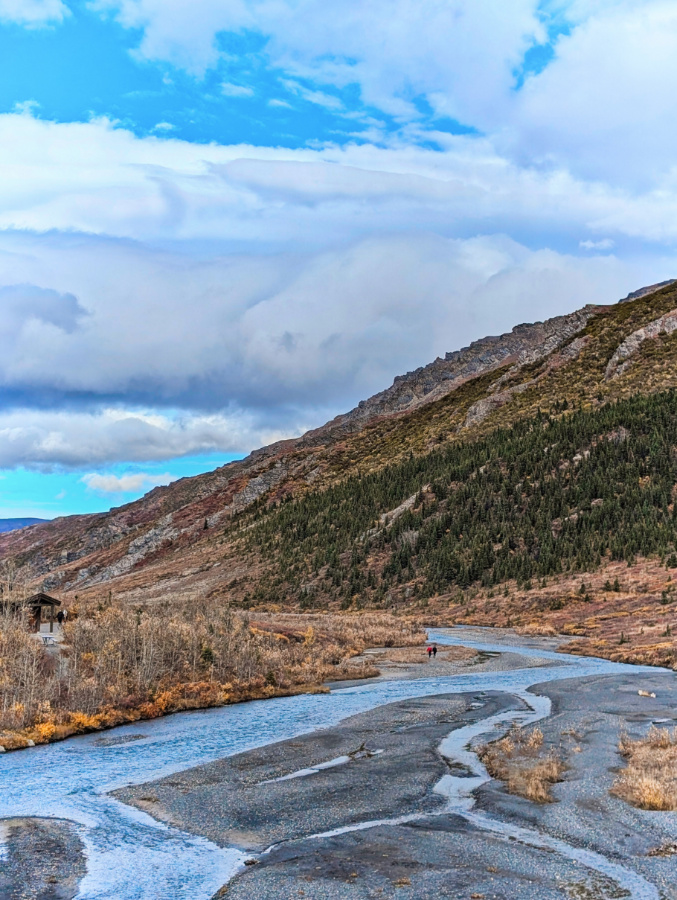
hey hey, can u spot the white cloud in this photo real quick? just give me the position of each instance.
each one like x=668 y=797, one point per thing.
x=41 y=439
x=236 y=90
x=272 y=288
x=95 y=178
x=33 y=13
x=319 y=98
x=461 y=52
x=604 y=244
x=125 y=484
x=283 y=339
x=606 y=107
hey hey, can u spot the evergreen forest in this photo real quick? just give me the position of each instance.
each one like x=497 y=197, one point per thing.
x=559 y=492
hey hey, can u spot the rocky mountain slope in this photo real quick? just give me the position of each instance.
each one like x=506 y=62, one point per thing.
x=208 y=533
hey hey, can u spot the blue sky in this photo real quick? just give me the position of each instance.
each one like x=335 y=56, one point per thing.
x=46 y=495
x=222 y=222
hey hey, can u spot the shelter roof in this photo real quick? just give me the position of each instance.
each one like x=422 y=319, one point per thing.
x=42 y=599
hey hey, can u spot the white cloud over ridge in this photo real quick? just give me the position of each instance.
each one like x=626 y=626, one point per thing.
x=258 y=349
x=132 y=483
x=69 y=439
x=263 y=290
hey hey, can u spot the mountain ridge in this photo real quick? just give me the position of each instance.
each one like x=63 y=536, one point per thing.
x=187 y=535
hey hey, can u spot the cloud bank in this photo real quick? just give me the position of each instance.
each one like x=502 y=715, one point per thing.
x=161 y=298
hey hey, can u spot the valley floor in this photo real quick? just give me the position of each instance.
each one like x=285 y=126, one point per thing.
x=303 y=833
x=294 y=827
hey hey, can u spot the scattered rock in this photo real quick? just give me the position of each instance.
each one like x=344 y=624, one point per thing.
x=621 y=359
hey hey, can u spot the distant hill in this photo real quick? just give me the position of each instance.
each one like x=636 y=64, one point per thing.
x=13 y=524
x=528 y=480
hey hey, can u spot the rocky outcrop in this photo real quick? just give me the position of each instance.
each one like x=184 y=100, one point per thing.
x=649 y=289
x=622 y=358
x=259 y=486
x=496 y=398
x=484 y=407
x=523 y=345
x=161 y=535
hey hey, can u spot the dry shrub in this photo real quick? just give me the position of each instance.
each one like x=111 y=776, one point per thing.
x=650 y=779
x=542 y=629
x=120 y=663
x=517 y=760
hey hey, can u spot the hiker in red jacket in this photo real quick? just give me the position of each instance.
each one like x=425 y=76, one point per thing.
x=429 y=651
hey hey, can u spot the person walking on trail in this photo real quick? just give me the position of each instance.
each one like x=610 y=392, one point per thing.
x=60 y=617
x=434 y=650
x=429 y=651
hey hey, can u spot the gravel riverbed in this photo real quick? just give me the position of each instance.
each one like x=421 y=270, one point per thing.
x=355 y=809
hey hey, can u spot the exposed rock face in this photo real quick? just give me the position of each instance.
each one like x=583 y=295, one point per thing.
x=480 y=410
x=621 y=359
x=523 y=345
x=497 y=398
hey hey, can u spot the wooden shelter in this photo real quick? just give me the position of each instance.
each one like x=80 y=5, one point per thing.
x=39 y=602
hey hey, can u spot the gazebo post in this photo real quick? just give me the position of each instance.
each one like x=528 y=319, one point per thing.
x=38 y=618
x=51 y=618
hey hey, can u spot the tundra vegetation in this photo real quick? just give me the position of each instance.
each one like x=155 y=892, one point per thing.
x=518 y=760
x=649 y=780
x=121 y=663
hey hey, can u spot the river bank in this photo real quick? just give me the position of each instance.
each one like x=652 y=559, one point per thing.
x=114 y=666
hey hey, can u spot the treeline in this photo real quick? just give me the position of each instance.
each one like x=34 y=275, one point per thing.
x=558 y=493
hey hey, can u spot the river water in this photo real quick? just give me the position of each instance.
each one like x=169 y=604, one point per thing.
x=130 y=856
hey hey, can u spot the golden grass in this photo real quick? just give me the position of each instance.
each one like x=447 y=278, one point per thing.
x=649 y=780
x=541 y=629
x=517 y=760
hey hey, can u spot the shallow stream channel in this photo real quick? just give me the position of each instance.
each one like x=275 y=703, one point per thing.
x=131 y=856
